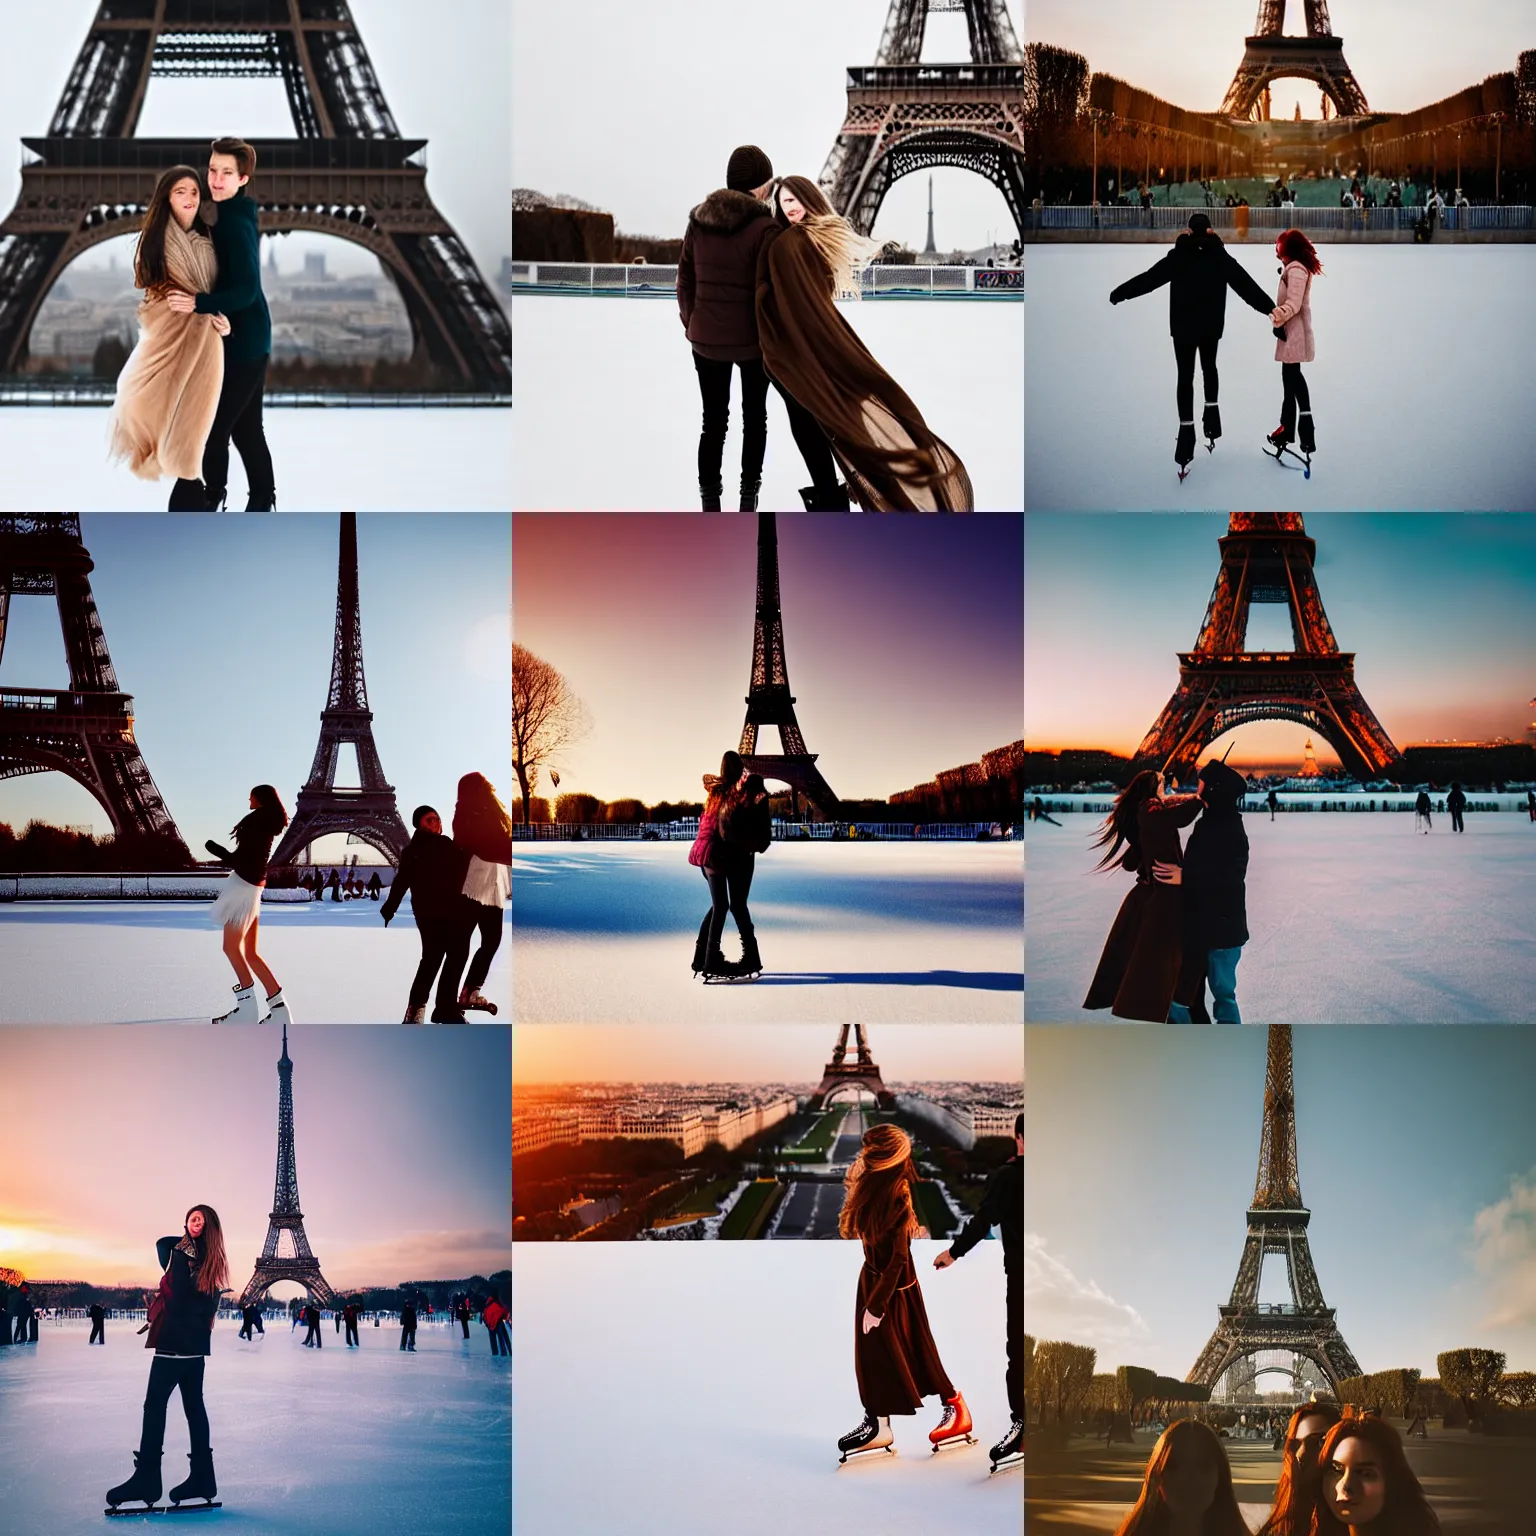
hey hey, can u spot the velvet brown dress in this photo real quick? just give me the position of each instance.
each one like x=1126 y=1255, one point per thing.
x=891 y=460
x=897 y=1364
x=1139 y=968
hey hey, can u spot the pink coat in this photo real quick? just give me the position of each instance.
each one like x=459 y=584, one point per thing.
x=1294 y=301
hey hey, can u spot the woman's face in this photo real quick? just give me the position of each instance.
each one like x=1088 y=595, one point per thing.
x=1354 y=1484
x=186 y=199
x=1189 y=1483
x=1310 y=1434
x=794 y=209
x=195 y=1223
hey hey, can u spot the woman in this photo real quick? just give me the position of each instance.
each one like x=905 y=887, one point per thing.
x=482 y=829
x=1139 y=968
x=1292 y=319
x=714 y=858
x=746 y=829
x=1301 y=1471
x=195 y=1271
x=894 y=1357
x=1187 y=1490
x=1368 y=1488
x=168 y=390
x=892 y=461
x=238 y=908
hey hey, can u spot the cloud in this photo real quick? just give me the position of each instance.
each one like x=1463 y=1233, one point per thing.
x=1504 y=1249
x=1059 y=1305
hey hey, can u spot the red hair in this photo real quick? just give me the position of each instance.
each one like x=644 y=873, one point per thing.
x=1294 y=246
x=1406 y=1511
x=1292 y=1511
x=1150 y=1515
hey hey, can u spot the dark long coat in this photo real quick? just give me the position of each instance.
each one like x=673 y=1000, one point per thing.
x=1199 y=269
x=1139 y=968
x=897 y=1364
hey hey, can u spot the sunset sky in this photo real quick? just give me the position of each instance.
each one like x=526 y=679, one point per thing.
x=1440 y=612
x=111 y=1134
x=902 y=634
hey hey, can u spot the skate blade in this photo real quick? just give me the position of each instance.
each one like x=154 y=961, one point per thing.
x=120 y=1511
x=868 y=1450
x=194 y=1509
x=1016 y=1460
x=944 y=1445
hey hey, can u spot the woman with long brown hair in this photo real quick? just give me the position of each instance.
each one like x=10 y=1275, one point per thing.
x=1368 y=1488
x=195 y=1271
x=895 y=1359
x=893 y=462
x=1139 y=968
x=1300 y=1471
x=1187 y=1490
x=713 y=857
x=237 y=909
x=1294 y=343
x=168 y=390
x=482 y=829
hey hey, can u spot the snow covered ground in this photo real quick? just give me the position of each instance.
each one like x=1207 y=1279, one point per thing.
x=386 y=460
x=118 y=962
x=881 y=932
x=1353 y=919
x=1420 y=388
x=684 y=1389
x=607 y=415
x=335 y=1442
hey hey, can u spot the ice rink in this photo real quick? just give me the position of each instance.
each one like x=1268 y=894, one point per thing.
x=385 y=460
x=607 y=416
x=1420 y=391
x=1352 y=919
x=121 y=962
x=334 y=1442
x=712 y=1399
x=880 y=932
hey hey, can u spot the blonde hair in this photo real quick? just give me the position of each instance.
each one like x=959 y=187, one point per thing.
x=845 y=251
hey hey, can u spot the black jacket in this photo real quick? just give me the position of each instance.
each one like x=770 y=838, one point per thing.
x=254 y=836
x=747 y=827
x=408 y=1316
x=237 y=245
x=717 y=274
x=432 y=869
x=1002 y=1206
x=1198 y=270
x=1216 y=866
x=1456 y=801
x=188 y=1322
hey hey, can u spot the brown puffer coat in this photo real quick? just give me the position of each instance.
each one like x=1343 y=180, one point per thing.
x=717 y=275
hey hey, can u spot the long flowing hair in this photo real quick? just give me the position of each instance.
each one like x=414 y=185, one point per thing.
x=213 y=1272
x=1296 y=1490
x=731 y=767
x=149 y=268
x=478 y=796
x=845 y=251
x=268 y=801
x=1120 y=829
x=1406 y=1511
x=877 y=1194
x=1294 y=246
x=1150 y=1516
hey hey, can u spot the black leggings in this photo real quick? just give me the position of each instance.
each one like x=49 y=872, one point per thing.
x=490 y=923
x=1015 y=1379
x=728 y=891
x=1184 y=355
x=1296 y=393
x=715 y=389
x=239 y=419
x=438 y=937
x=165 y=1375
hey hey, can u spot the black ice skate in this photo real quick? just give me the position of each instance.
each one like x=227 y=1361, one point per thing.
x=200 y=1485
x=1184 y=449
x=1009 y=1451
x=142 y=1488
x=1211 y=426
x=1308 y=438
x=1280 y=449
x=874 y=1434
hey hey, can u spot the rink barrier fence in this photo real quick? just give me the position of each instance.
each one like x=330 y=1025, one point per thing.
x=875 y=282
x=1255 y=804
x=64 y=390
x=64 y=885
x=783 y=831
x=1340 y=220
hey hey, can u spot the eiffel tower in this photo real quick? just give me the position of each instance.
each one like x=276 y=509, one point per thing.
x=770 y=701
x=85 y=730
x=367 y=813
x=861 y=1072
x=286 y=1216
x=1266 y=557
x=347 y=172
x=1277 y=1223
x=1270 y=55
x=906 y=116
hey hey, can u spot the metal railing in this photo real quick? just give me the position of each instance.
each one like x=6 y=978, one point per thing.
x=783 y=831
x=66 y=390
x=1338 y=220
x=880 y=281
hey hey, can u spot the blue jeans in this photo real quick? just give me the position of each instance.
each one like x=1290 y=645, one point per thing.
x=1221 y=974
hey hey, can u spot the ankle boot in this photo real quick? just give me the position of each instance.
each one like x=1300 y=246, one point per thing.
x=709 y=494
x=201 y=1484
x=143 y=1485
x=264 y=500
x=750 y=486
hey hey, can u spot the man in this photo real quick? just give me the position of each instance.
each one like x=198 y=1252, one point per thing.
x=725 y=245
x=248 y=347
x=1199 y=270
x=98 y=1324
x=1002 y=1206
x=408 y=1327
x=349 y=1314
x=1456 y=803
x=432 y=869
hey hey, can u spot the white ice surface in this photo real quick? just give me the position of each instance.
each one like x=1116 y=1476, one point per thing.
x=54 y=459
x=690 y=1389
x=120 y=962
x=1352 y=919
x=881 y=932
x=1420 y=391
x=334 y=1442
x=607 y=415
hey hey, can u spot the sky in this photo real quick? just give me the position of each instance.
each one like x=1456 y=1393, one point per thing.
x=902 y=638
x=1417 y=1157
x=752 y=1053
x=1405 y=54
x=1438 y=610
x=222 y=628
x=641 y=116
x=445 y=80
x=400 y=1143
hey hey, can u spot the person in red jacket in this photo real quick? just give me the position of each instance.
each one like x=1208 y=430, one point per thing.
x=494 y=1316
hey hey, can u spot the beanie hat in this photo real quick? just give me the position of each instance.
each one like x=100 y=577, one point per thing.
x=420 y=814
x=748 y=170
x=1199 y=223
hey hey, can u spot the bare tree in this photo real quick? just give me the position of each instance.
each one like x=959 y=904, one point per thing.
x=546 y=718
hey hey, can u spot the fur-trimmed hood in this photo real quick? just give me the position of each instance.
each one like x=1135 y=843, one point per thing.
x=724 y=212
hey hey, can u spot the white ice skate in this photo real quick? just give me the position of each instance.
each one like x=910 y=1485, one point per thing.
x=277 y=1010
x=874 y=1434
x=244 y=1011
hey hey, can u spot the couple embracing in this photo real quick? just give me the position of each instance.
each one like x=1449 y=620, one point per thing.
x=195 y=380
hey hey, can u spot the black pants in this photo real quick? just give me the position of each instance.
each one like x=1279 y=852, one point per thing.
x=313 y=1336
x=1184 y=355
x=1015 y=1301
x=464 y=1323
x=1296 y=394
x=408 y=1334
x=728 y=890
x=245 y=1329
x=98 y=1333
x=165 y=1375
x=1456 y=825
x=470 y=916
x=352 y=1332
x=715 y=390
x=238 y=420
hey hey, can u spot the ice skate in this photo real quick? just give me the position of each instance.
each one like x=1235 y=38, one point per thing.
x=955 y=1427
x=142 y=1488
x=277 y=1010
x=473 y=999
x=1211 y=426
x=1009 y=1451
x=750 y=966
x=1280 y=441
x=1308 y=439
x=415 y=1015
x=200 y=1485
x=718 y=968
x=1184 y=449
x=874 y=1434
x=244 y=1011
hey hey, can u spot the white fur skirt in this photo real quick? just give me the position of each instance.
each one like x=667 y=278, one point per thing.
x=489 y=884
x=237 y=904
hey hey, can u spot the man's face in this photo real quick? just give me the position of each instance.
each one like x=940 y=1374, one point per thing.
x=432 y=822
x=224 y=178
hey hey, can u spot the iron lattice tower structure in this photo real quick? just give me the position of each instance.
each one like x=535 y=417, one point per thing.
x=1277 y=1223
x=369 y=812
x=86 y=730
x=1266 y=557
x=301 y=1265
x=861 y=1072
x=1270 y=55
x=770 y=702
x=347 y=172
x=905 y=116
